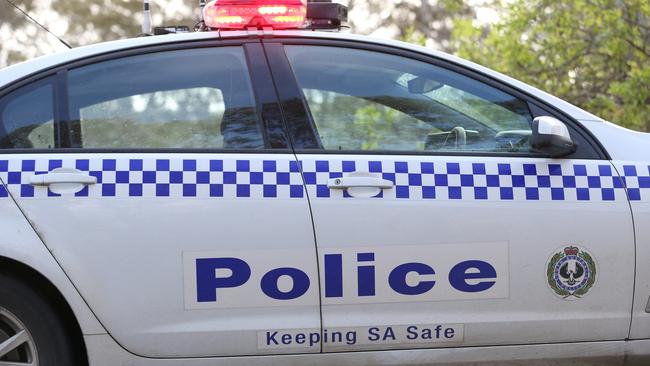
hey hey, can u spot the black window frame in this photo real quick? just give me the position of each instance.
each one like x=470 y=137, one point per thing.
x=301 y=126
x=266 y=100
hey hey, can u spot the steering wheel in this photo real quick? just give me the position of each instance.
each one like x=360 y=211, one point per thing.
x=460 y=136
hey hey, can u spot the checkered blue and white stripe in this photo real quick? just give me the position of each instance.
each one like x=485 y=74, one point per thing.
x=277 y=176
x=637 y=180
x=167 y=177
x=467 y=180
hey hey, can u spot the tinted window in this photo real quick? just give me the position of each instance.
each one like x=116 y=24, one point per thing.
x=362 y=100
x=27 y=117
x=199 y=98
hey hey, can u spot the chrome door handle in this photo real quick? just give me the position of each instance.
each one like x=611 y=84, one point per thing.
x=351 y=182
x=58 y=178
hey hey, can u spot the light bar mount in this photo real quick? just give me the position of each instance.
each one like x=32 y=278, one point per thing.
x=324 y=14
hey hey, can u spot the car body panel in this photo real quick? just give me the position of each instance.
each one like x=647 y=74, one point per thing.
x=108 y=269
x=637 y=181
x=124 y=249
x=441 y=226
x=629 y=151
x=621 y=143
x=105 y=352
x=19 y=241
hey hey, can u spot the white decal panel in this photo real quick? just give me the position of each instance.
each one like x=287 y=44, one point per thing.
x=349 y=275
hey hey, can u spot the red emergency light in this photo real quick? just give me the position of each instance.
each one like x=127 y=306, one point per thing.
x=242 y=14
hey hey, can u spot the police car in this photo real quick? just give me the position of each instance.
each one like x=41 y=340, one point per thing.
x=261 y=193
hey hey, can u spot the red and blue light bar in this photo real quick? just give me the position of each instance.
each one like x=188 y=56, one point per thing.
x=234 y=14
x=275 y=14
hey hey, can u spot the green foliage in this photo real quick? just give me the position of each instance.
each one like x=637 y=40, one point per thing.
x=347 y=122
x=593 y=53
x=107 y=21
x=417 y=20
x=412 y=36
x=125 y=133
x=118 y=19
x=378 y=126
x=80 y=22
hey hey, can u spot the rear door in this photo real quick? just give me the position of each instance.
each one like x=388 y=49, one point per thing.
x=435 y=224
x=163 y=183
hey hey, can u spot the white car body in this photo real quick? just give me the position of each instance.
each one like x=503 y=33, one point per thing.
x=105 y=255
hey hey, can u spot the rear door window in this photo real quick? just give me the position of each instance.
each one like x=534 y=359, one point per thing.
x=186 y=99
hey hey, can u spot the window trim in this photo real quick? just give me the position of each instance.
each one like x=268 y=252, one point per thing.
x=62 y=110
x=60 y=84
x=266 y=99
x=599 y=153
x=292 y=100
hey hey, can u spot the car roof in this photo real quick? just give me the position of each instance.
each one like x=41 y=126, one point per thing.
x=21 y=70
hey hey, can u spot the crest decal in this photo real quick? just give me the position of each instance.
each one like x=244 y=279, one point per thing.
x=571 y=272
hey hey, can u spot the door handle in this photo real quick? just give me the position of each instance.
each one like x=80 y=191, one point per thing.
x=58 y=178
x=351 y=182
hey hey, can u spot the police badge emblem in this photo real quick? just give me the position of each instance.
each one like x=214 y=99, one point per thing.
x=571 y=272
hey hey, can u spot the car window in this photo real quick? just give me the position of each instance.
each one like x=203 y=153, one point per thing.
x=371 y=101
x=27 y=117
x=372 y=127
x=200 y=98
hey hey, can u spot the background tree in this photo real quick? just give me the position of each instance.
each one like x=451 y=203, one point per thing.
x=20 y=39
x=92 y=21
x=80 y=22
x=83 y=22
x=593 y=53
x=431 y=19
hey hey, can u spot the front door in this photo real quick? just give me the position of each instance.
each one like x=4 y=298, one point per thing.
x=435 y=224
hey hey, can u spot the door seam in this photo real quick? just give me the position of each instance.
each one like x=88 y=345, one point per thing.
x=629 y=203
x=304 y=184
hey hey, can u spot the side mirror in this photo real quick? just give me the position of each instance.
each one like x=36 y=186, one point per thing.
x=551 y=136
